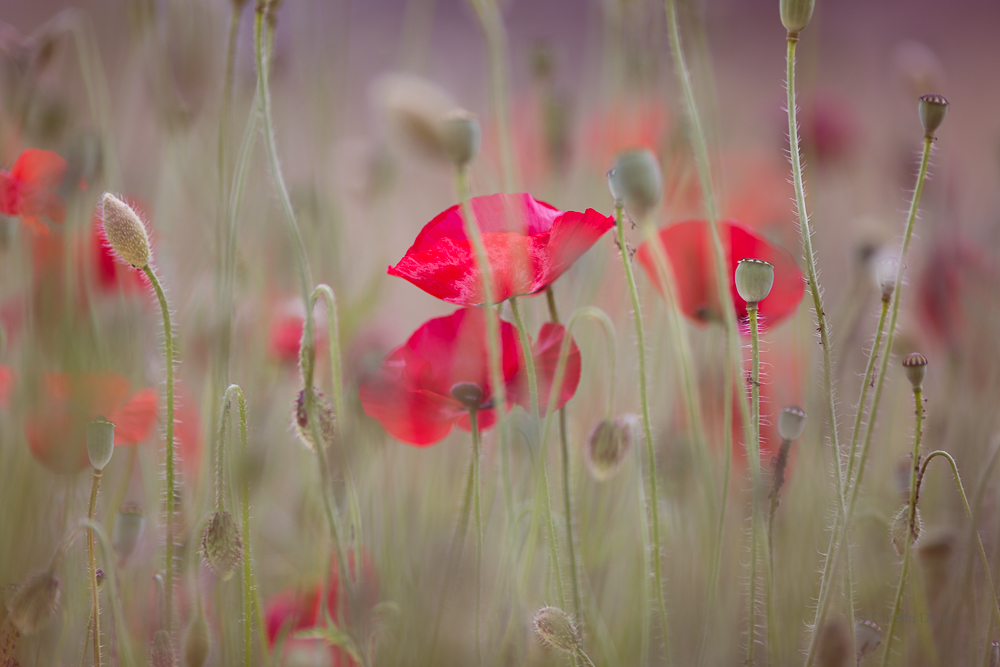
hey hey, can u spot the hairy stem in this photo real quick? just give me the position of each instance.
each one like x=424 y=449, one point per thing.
x=478 y=519
x=754 y=447
x=95 y=611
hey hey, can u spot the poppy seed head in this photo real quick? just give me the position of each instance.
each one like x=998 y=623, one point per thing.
x=637 y=180
x=933 y=109
x=125 y=232
x=754 y=278
x=791 y=422
x=100 y=442
x=796 y=14
x=127 y=530
x=468 y=394
x=915 y=365
x=461 y=136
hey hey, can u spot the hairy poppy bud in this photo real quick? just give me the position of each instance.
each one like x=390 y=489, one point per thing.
x=933 y=109
x=221 y=546
x=100 y=442
x=885 y=275
x=915 y=365
x=125 y=232
x=796 y=14
x=127 y=531
x=754 y=278
x=461 y=136
x=161 y=651
x=791 y=422
x=556 y=628
x=300 y=419
x=197 y=641
x=608 y=446
x=35 y=602
x=900 y=527
x=638 y=180
x=867 y=637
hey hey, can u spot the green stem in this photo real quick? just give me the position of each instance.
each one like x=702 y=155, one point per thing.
x=865 y=384
x=529 y=360
x=911 y=522
x=478 y=518
x=336 y=360
x=754 y=447
x=111 y=578
x=95 y=611
x=653 y=500
x=168 y=338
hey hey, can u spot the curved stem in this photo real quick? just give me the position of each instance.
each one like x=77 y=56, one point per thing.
x=478 y=518
x=653 y=500
x=95 y=611
x=168 y=338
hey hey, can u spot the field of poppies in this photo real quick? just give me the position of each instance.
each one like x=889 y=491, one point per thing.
x=484 y=332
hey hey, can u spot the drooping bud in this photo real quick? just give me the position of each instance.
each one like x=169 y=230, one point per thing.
x=35 y=602
x=867 y=637
x=125 y=232
x=899 y=528
x=127 y=531
x=161 y=650
x=886 y=268
x=933 y=109
x=197 y=641
x=637 y=180
x=461 y=136
x=754 y=278
x=915 y=365
x=791 y=422
x=100 y=442
x=796 y=14
x=608 y=446
x=556 y=628
x=221 y=546
x=300 y=419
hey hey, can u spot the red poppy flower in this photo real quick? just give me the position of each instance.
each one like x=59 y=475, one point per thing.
x=26 y=190
x=688 y=247
x=56 y=428
x=6 y=382
x=529 y=244
x=285 y=337
x=956 y=284
x=427 y=386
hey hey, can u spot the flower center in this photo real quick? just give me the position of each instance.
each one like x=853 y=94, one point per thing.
x=468 y=394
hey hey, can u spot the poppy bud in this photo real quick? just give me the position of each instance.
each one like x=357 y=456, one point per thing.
x=608 y=445
x=221 y=546
x=556 y=628
x=900 y=527
x=796 y=14
x=161 y=651
x=915 y=365
x=413 y=109
x=885 y=275
x=754 y=278
x=932 y=112
x=35 y=602
x=125 y=232
x=300 y=419
x=791 y=422
x=197 y=641
x=867 y=637
x=834 y=647
x=615 y=188
x=125 y=535
x=100 y=442
x=461 y=136
x=638 y=180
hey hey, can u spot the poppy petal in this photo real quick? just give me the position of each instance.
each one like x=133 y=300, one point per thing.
x=415 y=417
x=134 y=420
x=41 y=168
x=545 y=351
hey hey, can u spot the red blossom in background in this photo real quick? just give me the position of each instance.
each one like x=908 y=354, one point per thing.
x=411 y=394
x=6 y=382
x=26 y=190
x=529 y=244
x=688 y=248
x=957 y=275
x=56 y=426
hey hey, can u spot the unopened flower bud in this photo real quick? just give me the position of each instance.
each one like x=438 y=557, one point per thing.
x=899 y=527
x=100 y=442
x=915 y=365
x=638 y=180
x=461 y=136
x=127 y=531
x=796 y=14
x=125 y=232
x=886 y=268
x=933 y=109
x=197 y=641
x=791 y=422
x=754 y=278
x=867 y=637
x=35 y=602
x=324 y=411
x=556 y=628
x=615 y=187
x=608 y=446
x=414 y=109
x=161 y=650
x=221 y=546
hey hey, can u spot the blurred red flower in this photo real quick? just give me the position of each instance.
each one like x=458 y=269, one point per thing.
x=957 y=283
x=629 y=121
x=26 y=190
x=426 y=386
x=529 y=244
x=688 y=248
x=56 y=427
x=6 y=381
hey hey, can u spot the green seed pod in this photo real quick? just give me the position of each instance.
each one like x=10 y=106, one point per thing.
x=933 y=109
x=608 y=446
x=35 y=602
x=791 y=422
x=221 y=546
x=161 y=650
x=556 y=628
x=300 y=419
x=796 y=14
x=754 y=278
x=100 y=442
x=125 y=232
x=899 y=527
x=127 y=531
x=197 y=641
x=461 y=136
x=638 y=180
x=867 y=637
x=915 y=365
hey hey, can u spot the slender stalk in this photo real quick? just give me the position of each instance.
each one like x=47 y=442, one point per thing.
x=529 y=361
x=653 y=501
x=911 y=522
x=478 y=519
x=754 y=447
x=336 y=360
x=95 y=611
x=168 y=338
x=865 y=384
x=110 y=576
